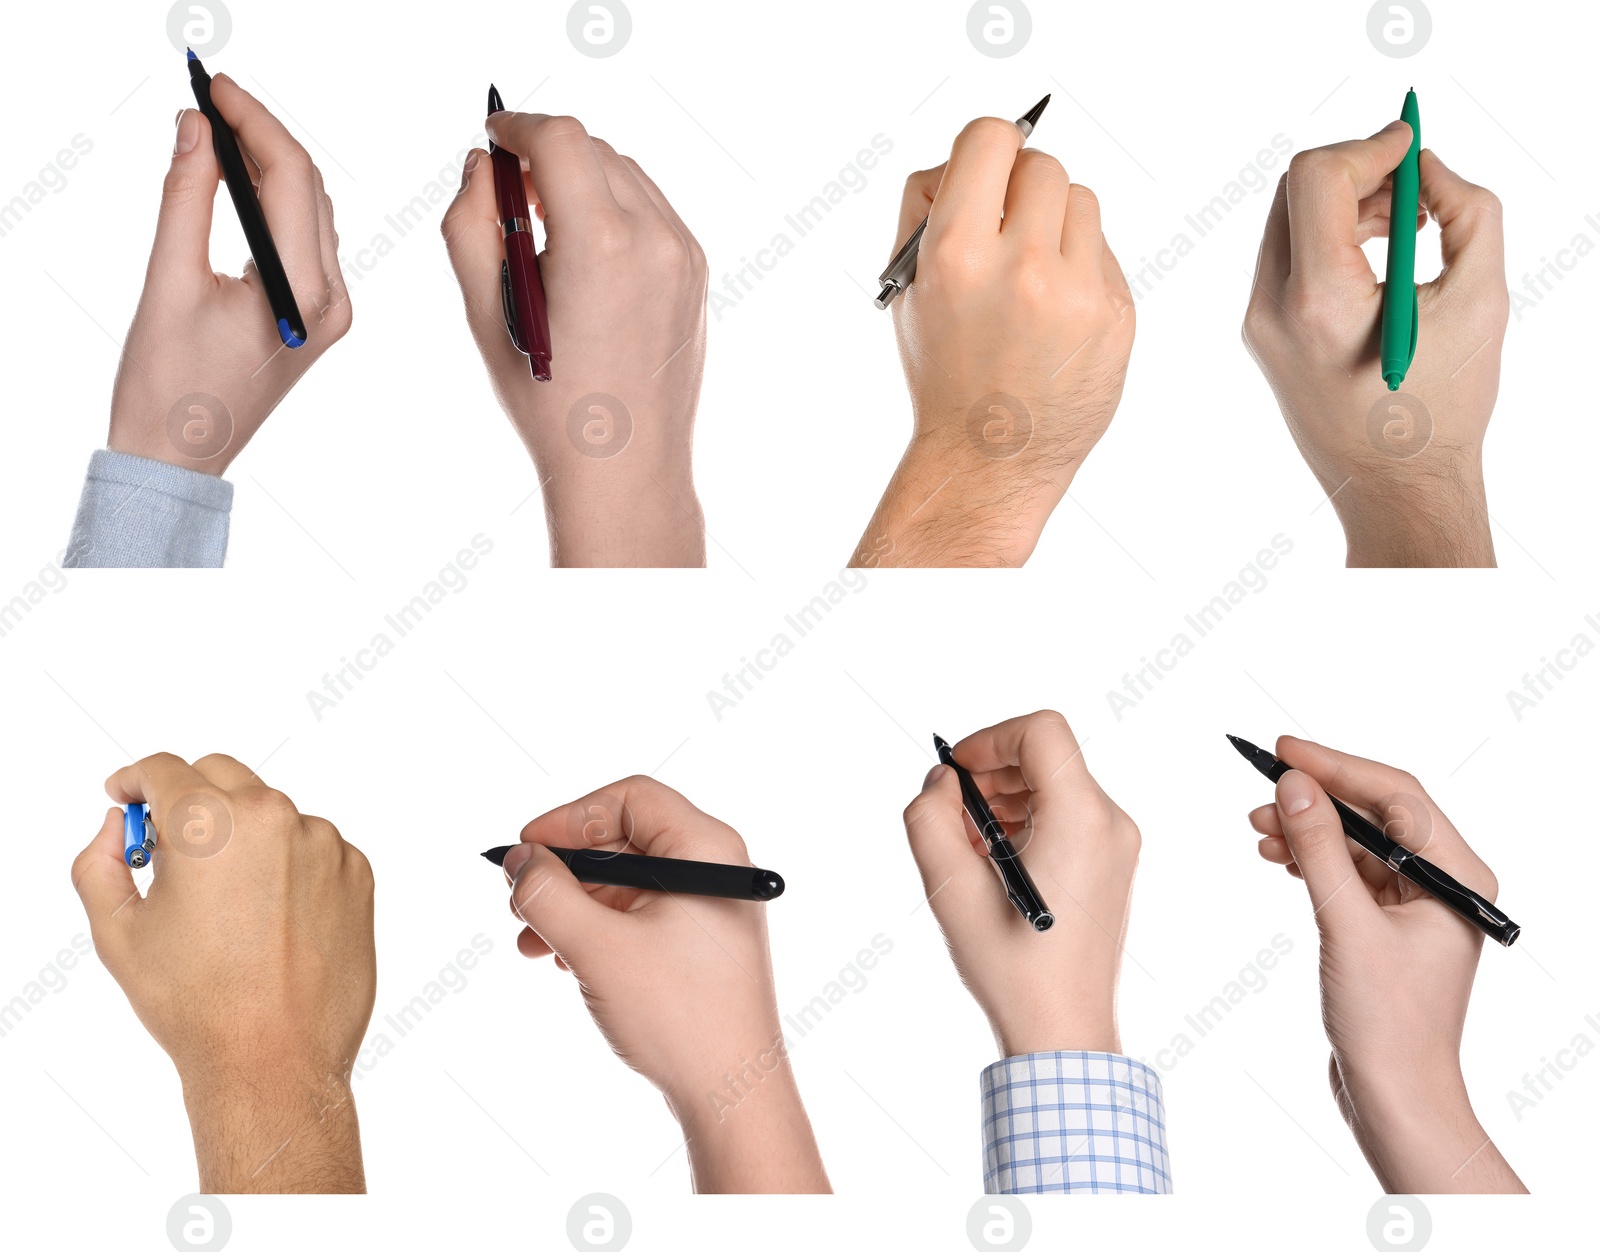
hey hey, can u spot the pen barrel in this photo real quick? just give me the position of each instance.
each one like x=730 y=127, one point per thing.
x=252 y=221
x=903 y=268
x=679 y=877
x=531 y=334
x=1019 y=884
x=1461 y=899
x=1398 y=332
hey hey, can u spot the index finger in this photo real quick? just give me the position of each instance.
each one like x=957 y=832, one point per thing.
x=562 y=159
x=638 y=814
x=157 y=780
x=1399 y=805
x=1040 y=744
x=1325 y=189
x=972 y=195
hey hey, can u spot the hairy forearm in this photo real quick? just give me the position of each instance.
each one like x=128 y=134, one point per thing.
x=1435 y=520
x=944 y=510
x=271 y=1136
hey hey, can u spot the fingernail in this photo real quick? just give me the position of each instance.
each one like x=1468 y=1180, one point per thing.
x=517 y=858
x=188 y=123
x=934 y=775
x=466 y=170
x=1295 y=793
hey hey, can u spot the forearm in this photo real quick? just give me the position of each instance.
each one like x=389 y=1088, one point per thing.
x=945 y=508
x=1433 y=517
x=653 y=520
x=1428 y=1142
x=273 y=1137
x=760 y=1142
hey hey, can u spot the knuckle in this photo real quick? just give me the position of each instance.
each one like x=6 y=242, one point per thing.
x=562 y=128
x=990 y=130
x=267 y=806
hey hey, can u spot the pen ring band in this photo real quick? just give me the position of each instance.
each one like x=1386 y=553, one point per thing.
x=513 y=225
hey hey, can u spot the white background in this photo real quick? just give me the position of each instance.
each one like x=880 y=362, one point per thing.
x=530 y=687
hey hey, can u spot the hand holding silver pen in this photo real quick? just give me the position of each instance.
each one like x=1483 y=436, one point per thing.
x=897 y=276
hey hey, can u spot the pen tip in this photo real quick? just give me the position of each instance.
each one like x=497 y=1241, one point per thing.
x=1031 y=117
x=192 y=56
x=939 y=745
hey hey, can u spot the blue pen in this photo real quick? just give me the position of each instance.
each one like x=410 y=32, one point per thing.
x=138 y=836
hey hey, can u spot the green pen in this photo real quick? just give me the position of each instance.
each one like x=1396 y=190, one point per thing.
x=1398 y=341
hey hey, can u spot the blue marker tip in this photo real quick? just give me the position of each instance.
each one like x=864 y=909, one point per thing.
x=192 y=56
x=288 y=336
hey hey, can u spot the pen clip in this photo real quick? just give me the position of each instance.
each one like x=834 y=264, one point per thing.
x=508 y=307
x=1411 y=352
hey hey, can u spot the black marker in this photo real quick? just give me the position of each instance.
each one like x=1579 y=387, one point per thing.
x=663 y=873
x=1019 y=886
x=280 y=296
x=1438 y=884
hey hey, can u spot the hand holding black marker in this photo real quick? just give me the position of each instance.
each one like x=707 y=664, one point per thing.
x=679 y=981
x=659 y=873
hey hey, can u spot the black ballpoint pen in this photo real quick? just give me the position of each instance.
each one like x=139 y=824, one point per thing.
x=280 y=296
x=897 y=275
x=1443 y=888
x=1019 y=886
x=662 y=873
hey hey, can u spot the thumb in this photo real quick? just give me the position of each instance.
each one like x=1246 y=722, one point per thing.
x=182 y=248
x=546 y=896
x=1316 y=837
x=915 y=202
x=952 y=871
x=103 y=879
x=1471 y=226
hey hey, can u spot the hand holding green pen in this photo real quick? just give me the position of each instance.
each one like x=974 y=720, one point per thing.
x=1403 y=469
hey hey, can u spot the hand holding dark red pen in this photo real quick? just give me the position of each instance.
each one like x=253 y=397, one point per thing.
x=1396 y=965
x=1049 y=991
x=625 y=285
x=203 y=365
x=680 y=986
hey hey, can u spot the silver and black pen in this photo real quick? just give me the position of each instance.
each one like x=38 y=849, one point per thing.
x=897 y=277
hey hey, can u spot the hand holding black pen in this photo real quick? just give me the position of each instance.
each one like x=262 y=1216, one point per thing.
x=1042 y=990
x=1396 y=966
x=206 y=360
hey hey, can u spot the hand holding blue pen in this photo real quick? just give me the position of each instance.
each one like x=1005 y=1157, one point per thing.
x=205 y=362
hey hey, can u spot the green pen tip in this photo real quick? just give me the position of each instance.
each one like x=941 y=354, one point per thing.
x=1393 y=380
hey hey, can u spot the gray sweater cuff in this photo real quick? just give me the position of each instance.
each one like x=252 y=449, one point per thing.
x=137 y=513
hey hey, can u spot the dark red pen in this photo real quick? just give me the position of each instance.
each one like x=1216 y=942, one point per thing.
x=521 y=289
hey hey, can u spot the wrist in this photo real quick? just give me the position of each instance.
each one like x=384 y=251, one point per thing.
x=947 y=505
x=1097 y=1033
x=631 y=517
x=1429 y=515
x=161 y=450
x=750 y=1133
x=268 y=1130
